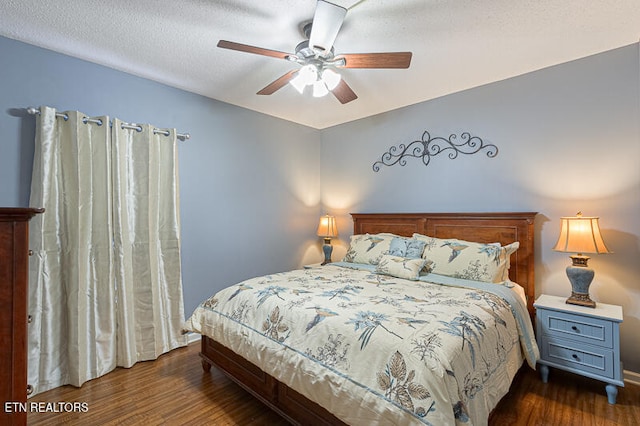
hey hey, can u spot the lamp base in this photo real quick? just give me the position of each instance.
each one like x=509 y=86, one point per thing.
x=580 y=278
x=327 y=249
x=581 y=299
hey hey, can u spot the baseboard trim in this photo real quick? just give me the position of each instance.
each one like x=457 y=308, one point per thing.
x=193 y=337
x=631 y=377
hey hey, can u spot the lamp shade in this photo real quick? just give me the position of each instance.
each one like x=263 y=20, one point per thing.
x=580 y=234
x=330 y=78
x=319 y=89
x=327 y=227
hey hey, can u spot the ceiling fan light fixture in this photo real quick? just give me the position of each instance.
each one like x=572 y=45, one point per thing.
x=307 y=75
x=320 y=89
x=298 y=83
x=317 y=59
x=330 y=78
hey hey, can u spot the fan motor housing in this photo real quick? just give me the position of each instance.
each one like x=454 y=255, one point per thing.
x=306 y=52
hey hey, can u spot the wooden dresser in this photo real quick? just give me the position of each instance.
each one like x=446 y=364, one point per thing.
x=14 y=255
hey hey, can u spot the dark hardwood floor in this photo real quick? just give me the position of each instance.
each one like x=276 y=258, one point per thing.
x=567 y=399
x=174 y=390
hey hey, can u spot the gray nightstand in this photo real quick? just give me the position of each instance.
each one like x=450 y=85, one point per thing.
x=582 y=340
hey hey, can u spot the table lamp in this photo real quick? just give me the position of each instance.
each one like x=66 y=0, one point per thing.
x=580 y=235
x=327 y=229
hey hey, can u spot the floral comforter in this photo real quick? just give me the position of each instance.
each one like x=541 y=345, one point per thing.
x=374 y=349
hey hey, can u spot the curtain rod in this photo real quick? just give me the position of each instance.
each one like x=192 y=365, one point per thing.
x=132 y=126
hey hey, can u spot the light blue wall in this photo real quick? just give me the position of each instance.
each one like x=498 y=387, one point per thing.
x=568 y=136
x=568 y=139
x=249 y=182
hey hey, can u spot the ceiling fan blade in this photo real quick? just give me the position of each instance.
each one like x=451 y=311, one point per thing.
x=252 y=49
x=375 y=60
x=278 y=84
x=327 y=21
x=344 y=93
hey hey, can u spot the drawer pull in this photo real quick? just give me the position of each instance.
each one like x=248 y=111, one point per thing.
x=29 y=389
x=30 y=252
x=575 y=356
x=574 y=328
x=29 y=319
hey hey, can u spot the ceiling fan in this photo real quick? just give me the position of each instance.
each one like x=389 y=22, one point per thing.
x=317 y=59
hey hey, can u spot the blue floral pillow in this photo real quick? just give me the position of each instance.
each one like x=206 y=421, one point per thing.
x=407 y=247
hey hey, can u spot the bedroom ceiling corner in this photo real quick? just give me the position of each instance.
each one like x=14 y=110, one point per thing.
x=455 y=45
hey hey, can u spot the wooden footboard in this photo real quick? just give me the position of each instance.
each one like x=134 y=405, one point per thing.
x=290 y=404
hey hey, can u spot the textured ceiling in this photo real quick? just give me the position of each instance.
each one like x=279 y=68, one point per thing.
x=456 y=44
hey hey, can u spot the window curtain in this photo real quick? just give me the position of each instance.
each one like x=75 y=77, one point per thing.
x=105 y=284
x=146 y=243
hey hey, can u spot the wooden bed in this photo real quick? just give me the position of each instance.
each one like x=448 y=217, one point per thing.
x=503 y=228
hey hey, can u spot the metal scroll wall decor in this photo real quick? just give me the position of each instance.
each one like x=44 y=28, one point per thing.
x=428 y=147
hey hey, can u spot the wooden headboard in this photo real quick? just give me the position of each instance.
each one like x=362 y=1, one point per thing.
x=503 y=228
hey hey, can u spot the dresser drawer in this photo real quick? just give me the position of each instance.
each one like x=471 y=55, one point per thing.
x=594 y=331
x=592 y=359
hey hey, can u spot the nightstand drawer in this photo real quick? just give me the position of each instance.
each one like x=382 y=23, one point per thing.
x=594 y=331
x=595 y=360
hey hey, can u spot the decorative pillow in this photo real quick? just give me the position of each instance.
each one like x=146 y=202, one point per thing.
x=368 y=248
x=468 y=260
x=400 y=267
x=407 y=247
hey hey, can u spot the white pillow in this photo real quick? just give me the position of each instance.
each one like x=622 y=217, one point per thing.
x=368 y=248
x=400 y=267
